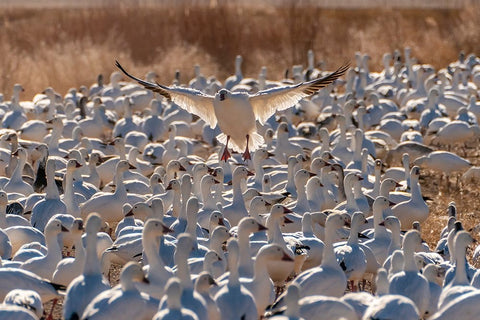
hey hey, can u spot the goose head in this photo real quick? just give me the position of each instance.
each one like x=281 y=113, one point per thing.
x=94 y=223
x=203 y=282
x=249 y=225
x=123 y=166
x=54 y=226
x=132 y=272
x=380 y=204
x=173 y=292
x=337 y=220
x=73 y=165
x=155 y=228
x=279 y=210
x=391 y=223
x=241 y=172
x=221 y=234
x=174 y=185
x=216 y=219
x=259 y=205
x=141 y=210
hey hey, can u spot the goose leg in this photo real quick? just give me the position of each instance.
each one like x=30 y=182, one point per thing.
x=54 y=303
x=226 y=155
x=246 y=154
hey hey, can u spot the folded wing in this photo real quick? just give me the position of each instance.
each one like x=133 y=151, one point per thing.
x=266 y=102
x=192 y=100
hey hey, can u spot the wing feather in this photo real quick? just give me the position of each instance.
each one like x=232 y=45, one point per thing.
x=266 y=102
x=192 y=100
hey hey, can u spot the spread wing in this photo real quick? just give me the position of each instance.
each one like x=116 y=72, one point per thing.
x=192 y=100
x=266 y=102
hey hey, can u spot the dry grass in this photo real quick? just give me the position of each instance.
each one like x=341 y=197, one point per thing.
x=68 y=47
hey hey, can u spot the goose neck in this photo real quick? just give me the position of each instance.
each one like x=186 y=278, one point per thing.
x=92 y=263
x=183 y=272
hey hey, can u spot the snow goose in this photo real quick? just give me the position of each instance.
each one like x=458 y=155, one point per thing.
x=328 y=278
x=236 y=210
x=69 y=268
x=292 y=311
x=9 y=220
x=190 y=298
x=28 y=300
x=380 y=243
x=91 y=282
x=218 y=238
x=109 y=205
x=284 y=148
x=246 y=227
x=174 y=309
x=259 y=106
x=414 y=209
x=390 y=306
x=202 y=285
x=460 y=284
x=432 y=273
x=45 y=266
x=152 y=125
x=350 y=255
x=463 y=308
x=261 y=286
x=443 y=162
x=15 y=278
x=51 y=204
x=156 y=271
x=123 y=300
x=234 y=300
x=15 y=117
x=410 y=282
x=16 y=183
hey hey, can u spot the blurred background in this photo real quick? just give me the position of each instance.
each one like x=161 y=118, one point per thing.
x=67 y=43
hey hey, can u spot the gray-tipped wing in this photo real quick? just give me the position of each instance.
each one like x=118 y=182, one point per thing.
x=266 y=102
x=192 y=100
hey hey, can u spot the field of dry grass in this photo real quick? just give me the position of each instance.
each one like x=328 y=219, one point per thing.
x=68 y=47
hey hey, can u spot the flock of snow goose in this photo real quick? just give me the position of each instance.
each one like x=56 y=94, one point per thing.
x=315 y=214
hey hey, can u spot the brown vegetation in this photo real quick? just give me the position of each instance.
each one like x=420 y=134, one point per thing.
x=68 y=47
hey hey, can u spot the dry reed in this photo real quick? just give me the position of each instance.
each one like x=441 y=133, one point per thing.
x=68 y=47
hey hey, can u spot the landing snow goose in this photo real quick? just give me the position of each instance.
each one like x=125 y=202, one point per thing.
x=124 y=300
x=91 y=282
x=227 y=107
